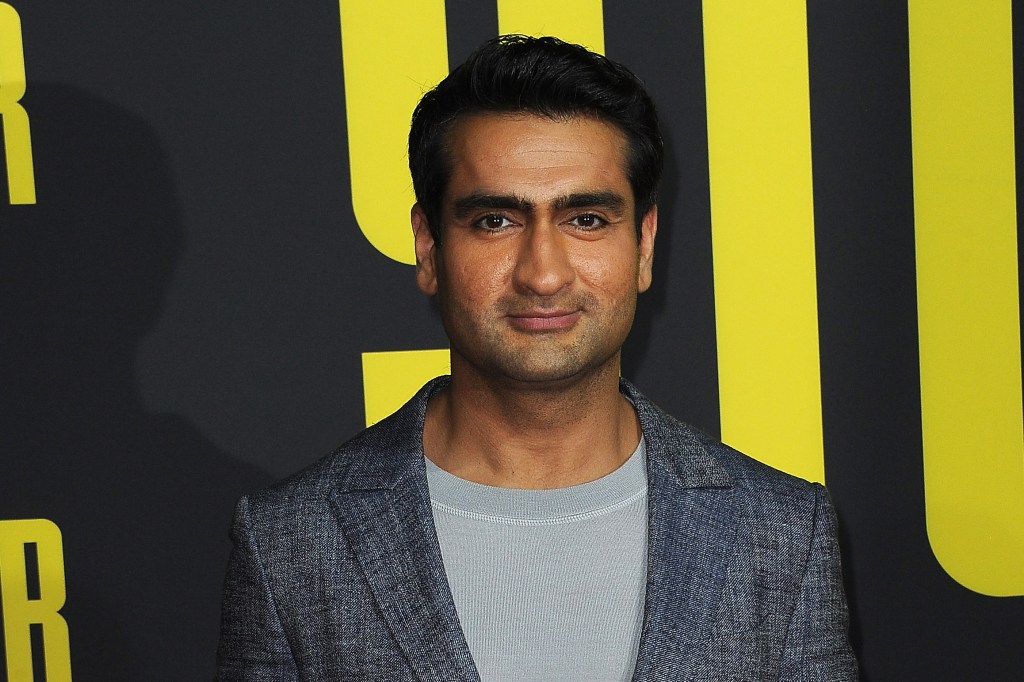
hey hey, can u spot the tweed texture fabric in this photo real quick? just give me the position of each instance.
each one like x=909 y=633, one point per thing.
x=336 y=572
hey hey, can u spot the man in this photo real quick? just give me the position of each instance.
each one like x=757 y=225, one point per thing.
x=534 y=517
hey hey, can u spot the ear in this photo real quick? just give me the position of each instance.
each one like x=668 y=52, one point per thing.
x=648 y=230
x=426 y=270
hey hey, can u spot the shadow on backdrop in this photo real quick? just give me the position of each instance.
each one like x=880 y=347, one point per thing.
x=652 y=303
x=143 y=500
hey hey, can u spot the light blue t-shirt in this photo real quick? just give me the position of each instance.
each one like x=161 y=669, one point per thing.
x=548 y=584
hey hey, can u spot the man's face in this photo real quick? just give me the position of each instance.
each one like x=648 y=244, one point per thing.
x=540 y=265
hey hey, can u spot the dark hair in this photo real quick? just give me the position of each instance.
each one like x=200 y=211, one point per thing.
x=544 y=76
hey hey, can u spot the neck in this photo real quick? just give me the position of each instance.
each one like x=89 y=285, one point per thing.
x=531 y=436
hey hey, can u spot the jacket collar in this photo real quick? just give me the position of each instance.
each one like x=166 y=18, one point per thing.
x=692 y=520
x=674 y=447
x=383 y=503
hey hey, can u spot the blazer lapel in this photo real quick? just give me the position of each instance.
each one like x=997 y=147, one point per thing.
x=692 y=528
x=384 y=511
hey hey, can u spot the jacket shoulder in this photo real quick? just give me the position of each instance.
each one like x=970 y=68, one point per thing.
x=698 y=459
x=381 y=456
x=753 y=474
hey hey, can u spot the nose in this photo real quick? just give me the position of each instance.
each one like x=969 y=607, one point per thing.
x=543 y=266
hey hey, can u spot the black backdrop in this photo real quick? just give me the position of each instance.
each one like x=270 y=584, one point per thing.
x=185 y=306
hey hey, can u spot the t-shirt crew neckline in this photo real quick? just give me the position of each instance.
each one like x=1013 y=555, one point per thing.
x=612 y=491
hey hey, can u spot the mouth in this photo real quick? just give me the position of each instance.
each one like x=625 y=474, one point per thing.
x=544 y=320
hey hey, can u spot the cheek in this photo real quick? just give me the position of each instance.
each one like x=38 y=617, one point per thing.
x=615 y=276
x=478 y=279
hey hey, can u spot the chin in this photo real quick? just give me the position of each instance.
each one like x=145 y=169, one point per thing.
x=556 y=372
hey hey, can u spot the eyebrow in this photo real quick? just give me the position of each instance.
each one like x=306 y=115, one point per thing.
x=609 y=200
x=606 y=199
x=478 y=200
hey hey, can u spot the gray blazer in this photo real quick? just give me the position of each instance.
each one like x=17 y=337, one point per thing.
x=336 y=572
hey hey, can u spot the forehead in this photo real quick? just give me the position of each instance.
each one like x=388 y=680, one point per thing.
x=528 y=154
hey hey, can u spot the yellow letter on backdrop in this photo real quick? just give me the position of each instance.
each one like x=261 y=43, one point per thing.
x=961 y=75
x=14 y=118
x=392 y=377
x=21 y=609
x=762 y=209
x=392 y=53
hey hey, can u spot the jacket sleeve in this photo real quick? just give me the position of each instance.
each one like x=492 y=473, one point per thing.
x=817 y=647
x=253 y=646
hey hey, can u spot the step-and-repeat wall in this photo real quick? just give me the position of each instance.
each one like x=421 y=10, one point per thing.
x=205 y=285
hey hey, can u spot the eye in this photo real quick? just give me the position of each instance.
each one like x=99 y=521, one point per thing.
x=493 y=222
x=588 y=221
